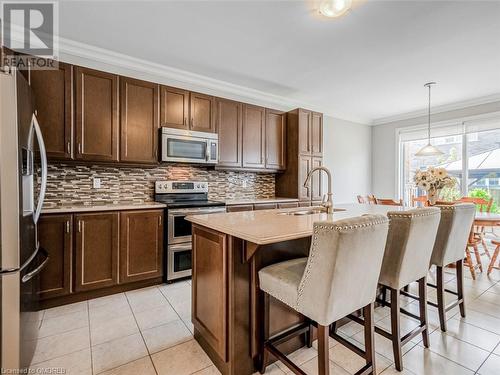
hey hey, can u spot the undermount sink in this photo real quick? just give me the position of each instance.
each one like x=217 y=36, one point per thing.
x=310 y=211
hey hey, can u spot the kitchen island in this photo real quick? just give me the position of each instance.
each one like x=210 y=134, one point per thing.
x=228 y=251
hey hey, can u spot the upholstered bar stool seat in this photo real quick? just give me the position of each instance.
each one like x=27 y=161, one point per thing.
x=451 y=240
x=338 y=277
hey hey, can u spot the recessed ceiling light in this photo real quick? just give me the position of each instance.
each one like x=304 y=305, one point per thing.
x=334 y=8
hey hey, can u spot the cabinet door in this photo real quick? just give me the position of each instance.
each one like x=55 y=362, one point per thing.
x=139 y=121
x=141 y=245
x=239 y=208
x=275 y=139
x=317 y=134
x=254 y=124
x=304 y=168
x=53 y=91
x=96 y=115
x=96 y=250
x=264 y=206
x=316 y=180
x=174 y=107
x=55 y=236
x=229 y=129
x=202 y=111
x=304 y=132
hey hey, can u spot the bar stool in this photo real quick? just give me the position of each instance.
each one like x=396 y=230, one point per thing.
x=339 y=277
x=451 y=239
x=407 y=254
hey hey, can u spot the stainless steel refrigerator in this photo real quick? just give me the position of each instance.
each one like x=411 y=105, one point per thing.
x=21 y=258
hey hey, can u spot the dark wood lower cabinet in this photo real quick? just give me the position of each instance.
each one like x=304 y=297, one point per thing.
x=141 y=245
x=96 y=260
x=55 y=234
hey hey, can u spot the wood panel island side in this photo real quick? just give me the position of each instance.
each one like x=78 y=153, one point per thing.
x=228 y=251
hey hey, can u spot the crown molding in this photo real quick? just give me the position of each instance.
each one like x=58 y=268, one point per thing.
x=99 y=58
x=439 y=109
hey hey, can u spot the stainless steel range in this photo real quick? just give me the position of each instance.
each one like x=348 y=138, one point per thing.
x=182 y=198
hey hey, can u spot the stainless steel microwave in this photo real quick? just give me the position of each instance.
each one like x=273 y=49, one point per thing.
x=184 y=146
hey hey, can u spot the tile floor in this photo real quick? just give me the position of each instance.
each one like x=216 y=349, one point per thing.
x=148 y=332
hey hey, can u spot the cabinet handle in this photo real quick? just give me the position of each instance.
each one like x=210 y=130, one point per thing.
x=79 y=148
x=68 y=147
x=67 y=226
x=159 y=220
x=79 y=226
x=192 y=121
x=185 y=121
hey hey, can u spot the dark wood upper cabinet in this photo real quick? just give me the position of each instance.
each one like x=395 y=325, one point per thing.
x=55 y=236
x=53 y=92
x=141 y=245
x=304 y=131
x=316 y=179
x=174 y=107
x=96 y=262
x=202 y=110
x=139 y=120
x=254 y=141
x=275 y=139
x=317 y=134
x=96 y=115
x=229 y=129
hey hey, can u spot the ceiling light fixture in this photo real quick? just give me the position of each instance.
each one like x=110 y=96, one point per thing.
x=334 y=8
x=429 y=150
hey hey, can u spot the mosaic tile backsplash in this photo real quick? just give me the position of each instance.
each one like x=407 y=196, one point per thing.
x=72 y=184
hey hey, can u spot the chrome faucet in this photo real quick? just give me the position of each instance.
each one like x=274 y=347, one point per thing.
x=328 y=204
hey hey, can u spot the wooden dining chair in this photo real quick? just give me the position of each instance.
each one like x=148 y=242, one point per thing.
x=361 y=199
x=372 y=199
x=494 y=257
x=484 y=206
x=422 y=200
x=389 y=202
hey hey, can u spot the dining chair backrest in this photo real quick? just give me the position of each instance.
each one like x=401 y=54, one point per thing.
x=361 y=199
x=389 y=202
x=343 y=265
x=424 y=200
x=453 y=232
x=372 y=199
x=484 y=205
x=409 y=245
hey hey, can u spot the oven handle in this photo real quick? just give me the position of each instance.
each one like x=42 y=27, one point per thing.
x=180 y=247
x=200 y=211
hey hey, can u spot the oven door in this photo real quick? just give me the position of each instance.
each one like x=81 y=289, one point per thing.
x=179 y=229
x=179 y=261
x=184 y=149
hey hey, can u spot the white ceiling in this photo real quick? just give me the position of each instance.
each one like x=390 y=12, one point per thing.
x=368 y=65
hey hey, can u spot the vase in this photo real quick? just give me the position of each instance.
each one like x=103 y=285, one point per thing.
x=432 y=196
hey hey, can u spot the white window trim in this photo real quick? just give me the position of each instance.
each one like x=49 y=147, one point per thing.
x=456 y=121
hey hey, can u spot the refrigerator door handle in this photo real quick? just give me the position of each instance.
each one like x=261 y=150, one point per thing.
x=37 y=270
x=9 y=271
x=43 y=162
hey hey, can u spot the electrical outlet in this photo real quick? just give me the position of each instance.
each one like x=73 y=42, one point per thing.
x=96 y=183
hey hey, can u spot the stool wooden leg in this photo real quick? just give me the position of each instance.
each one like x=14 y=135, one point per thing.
x=309 y=336
x=396 y=330
x=323 y=347
x=440 y=298
x=422 y=301
x=483 y=242
x=469 y=263
x=478 y=257
x=264 y=319
x=493 y=259
x=384 y=294
x=460 y=286
x=370 y=336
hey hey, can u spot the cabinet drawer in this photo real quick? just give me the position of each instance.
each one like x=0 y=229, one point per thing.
x=264 y=206
x=240 y=207
x=288 y=205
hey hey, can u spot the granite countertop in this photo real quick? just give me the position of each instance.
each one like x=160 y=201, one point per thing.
x=232 y=202
x=102 y=206
x=270 y=226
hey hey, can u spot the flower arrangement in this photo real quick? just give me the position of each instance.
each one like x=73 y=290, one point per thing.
x=432 y=181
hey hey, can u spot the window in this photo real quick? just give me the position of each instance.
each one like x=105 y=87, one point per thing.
x=477 y=175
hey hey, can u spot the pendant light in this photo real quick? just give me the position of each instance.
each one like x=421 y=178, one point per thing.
x=429 y=150
x=334 y=8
